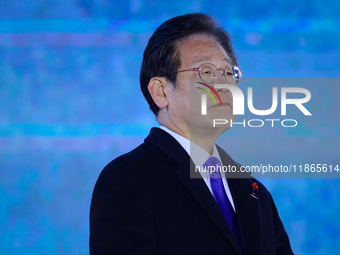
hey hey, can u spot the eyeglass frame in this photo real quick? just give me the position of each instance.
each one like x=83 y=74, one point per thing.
x=217 y=69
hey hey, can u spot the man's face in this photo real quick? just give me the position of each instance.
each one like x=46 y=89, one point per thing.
x=185 y=99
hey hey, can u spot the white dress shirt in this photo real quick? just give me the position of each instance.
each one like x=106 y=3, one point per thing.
x=199 y=156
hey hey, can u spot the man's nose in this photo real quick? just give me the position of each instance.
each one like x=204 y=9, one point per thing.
x=220 y=80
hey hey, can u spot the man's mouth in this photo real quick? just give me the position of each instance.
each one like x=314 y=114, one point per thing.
x=224 y=103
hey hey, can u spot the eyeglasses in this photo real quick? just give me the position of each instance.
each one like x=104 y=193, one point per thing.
x=209 y=72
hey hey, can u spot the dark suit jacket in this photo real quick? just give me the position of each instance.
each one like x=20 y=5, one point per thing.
x=145 y=202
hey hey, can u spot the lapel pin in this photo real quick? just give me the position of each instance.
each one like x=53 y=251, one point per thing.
x=255 y=187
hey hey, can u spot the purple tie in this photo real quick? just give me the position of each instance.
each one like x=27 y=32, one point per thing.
x=221 y=197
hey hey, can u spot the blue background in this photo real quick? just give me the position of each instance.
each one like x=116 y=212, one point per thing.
x=70 y=102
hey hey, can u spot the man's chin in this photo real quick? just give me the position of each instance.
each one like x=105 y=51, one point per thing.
x=208 y=129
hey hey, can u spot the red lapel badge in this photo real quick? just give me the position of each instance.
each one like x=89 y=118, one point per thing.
x=254 y=185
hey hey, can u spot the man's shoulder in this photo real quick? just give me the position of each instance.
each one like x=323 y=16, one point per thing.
x=137 y=158
x=156 y=157
x=158 y=148
x=130 y=169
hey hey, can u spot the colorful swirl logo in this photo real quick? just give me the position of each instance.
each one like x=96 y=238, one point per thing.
x=208 y=92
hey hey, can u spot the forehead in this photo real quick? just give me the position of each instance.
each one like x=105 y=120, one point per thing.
x=201 y=49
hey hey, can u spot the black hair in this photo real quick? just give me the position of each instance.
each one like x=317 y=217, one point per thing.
x=161 y=56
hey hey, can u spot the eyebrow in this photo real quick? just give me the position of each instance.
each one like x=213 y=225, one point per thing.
x=203 y=59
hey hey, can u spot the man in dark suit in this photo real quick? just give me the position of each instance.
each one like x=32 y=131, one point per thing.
x=159 y=198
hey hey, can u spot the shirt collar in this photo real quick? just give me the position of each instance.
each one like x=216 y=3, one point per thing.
x=196 y=153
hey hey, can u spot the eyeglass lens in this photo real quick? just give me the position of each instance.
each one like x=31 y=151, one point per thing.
x=208 y=74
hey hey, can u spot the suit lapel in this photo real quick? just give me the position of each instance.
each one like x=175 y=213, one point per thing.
x=247 y=207
x=248 y=211
x=201 y=194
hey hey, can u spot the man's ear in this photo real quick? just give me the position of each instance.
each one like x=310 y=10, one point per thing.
x=158 y=88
